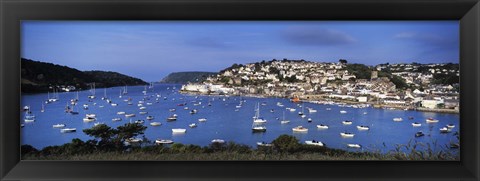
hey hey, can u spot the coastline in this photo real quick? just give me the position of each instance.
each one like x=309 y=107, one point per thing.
x=320 y=100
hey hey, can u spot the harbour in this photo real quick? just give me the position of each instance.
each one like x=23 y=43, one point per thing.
x=218 y=117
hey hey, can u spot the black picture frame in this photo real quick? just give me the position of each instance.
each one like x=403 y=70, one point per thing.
x=12 y=12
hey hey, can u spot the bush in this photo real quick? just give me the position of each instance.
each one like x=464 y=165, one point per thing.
x=286 y=143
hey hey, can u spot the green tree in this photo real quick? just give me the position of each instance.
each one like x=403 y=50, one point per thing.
x=286 y=143
x=343 y=61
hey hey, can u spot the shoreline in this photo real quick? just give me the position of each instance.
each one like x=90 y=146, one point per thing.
x=336 y=102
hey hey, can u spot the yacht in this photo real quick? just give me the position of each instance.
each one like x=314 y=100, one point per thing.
x=160 y=141
x=347 y=135
x=314 y=142
x=299 y=129
x=431 y=120
x=363 y=128
x=179 y=130
x=416 y=124
x=354 y=145
x=155 y=123
x=68 y=130
x=322 y=126
x=59 y=125
x=347 y=122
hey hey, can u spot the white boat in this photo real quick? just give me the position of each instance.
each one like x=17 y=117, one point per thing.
x=303 y=116
x=68 y=130
x=431 y=120
x=155 y=123
x=258 y=128
x=149 y=103
x=354 y=145
x=150 y=117
x=193 y=125
x=139 y=105
x=90 y=115
x=328 y=109
x=121 y=113
x=264 y=144
x=193 y=111
x=365 y=113
x=416 y=124
x=139 y=122
x=143 y=112
x=363 y=128
x=293 y=109
x=202 y=119
x=185 y=108
x=116 y=119
x=129 y=115
x=59 y=125
x=143 y=108
x=347 y=122
x=98 y=124
x=284 y=121
x=218 y=141
x=159 y=141
x=347 y=135
x=311 y=110
x=450 y=126
x=133 y=140
x=172 y=118
x=445 y=130
x=343 y=112
x=179 y=130
x=172 y=110
x=88 y=119
x=299 y=129
x=29 y=117
x=257 y=118
x=397 y=119
x=313 y=142
x=321 y=126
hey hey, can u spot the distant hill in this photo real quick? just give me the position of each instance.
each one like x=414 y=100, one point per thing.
x=40 y=76
x=184 y=77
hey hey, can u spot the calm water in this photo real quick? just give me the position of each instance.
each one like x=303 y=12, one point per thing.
x=223 y=122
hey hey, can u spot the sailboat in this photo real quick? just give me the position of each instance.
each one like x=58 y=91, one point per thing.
x=303 y=110
x=145 y=90
x=104 y=94
x=125 y=90
x=120 y=96
x=257 y=125
x=29 y=117
x=92 y=91
x=257 y=118
x=284 y=121
x=43 y=108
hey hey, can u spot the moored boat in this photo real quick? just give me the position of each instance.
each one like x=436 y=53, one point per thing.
x=202 y=119
x=416 y=124
x=397 y=119
x=155 y=123
x=68 y=130
x=59 y=125
x=179 y=130
x=322 y=126
x=347 y=122
x=431 y=120
x=162 y=141
x=363 y=128
x=419 y=134
x=218 y=141
x=347 y=135
x=354 y=145
x=314 y=142
x=299 y=129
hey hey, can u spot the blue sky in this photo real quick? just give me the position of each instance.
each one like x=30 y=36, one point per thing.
x=152 y=49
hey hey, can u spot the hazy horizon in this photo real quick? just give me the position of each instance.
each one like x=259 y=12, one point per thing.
x=150 y=50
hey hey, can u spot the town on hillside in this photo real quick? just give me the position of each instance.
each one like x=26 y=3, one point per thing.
x=424 y=87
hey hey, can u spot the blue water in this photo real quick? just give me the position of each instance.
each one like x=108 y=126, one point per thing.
x=223 y=122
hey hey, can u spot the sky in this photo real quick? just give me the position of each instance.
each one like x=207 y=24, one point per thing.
x=150 y=50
